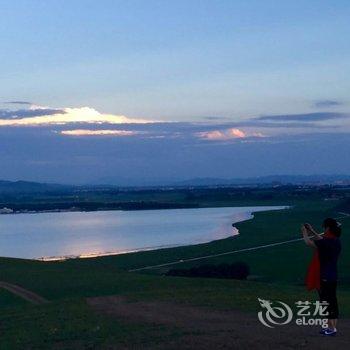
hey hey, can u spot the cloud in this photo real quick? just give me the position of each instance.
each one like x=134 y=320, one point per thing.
x=19 y=103
x=87 y=121
x=304 y=117
x=89 y=132
x=327 y=103
x=214 y=118
x=21 y=114
x=236 y=133
x=222 y=135
x=37 y=116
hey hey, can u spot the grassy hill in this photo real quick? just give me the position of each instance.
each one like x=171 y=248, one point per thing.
x=68 y=322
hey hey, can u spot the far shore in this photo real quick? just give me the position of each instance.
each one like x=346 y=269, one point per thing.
x=82 y=210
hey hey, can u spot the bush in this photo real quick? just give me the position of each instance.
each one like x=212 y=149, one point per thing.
x=238 y=270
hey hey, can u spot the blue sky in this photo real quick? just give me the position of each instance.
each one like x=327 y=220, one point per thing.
x=227 y=77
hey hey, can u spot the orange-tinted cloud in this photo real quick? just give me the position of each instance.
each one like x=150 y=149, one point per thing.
x=227 y=134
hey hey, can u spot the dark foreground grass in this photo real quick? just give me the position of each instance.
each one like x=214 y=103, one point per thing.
x=8 y=300
x=73 y=325
x=70 y=324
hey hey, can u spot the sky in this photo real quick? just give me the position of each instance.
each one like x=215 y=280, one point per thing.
x=140 y=91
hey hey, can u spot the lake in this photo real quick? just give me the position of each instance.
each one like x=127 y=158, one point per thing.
x=44 y=235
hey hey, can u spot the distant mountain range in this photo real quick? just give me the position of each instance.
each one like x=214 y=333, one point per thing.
x=30 y=187
x=211 y=181
x=265 y=180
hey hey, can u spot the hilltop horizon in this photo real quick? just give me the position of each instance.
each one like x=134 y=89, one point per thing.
x=283 y=179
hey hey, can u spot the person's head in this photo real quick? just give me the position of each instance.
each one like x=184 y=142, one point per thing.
x=331 y=225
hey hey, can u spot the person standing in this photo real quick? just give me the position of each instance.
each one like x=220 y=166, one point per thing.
x=322 y=273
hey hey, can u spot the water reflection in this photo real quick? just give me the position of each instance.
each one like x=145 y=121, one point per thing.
x=94 y=233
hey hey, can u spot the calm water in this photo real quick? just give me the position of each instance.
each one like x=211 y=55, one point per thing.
x=85 y=233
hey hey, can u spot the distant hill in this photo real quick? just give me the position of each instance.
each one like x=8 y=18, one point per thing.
x=36 y=187
x=29 y=187
x=265 y=180
x=212 y=181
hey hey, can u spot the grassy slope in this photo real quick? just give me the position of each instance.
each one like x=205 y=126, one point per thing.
x=68 y=320
x=72 y=325
x=106 y=275
x=8 y=300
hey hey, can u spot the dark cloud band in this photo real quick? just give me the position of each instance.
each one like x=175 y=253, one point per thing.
x=29 y=113
x=19 y=103
x=327 y=103
x=304 y=117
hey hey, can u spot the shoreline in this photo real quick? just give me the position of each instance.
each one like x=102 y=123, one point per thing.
x=8 y=211
x=137 y=250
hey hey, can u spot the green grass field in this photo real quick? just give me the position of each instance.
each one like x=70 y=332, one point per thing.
x=67 y=322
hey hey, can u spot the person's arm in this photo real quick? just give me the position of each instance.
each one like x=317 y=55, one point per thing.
x=308 y=241
x=317 y=236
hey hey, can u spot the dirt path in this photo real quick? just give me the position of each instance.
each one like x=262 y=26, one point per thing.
x=23 y=293
x=205 y=328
